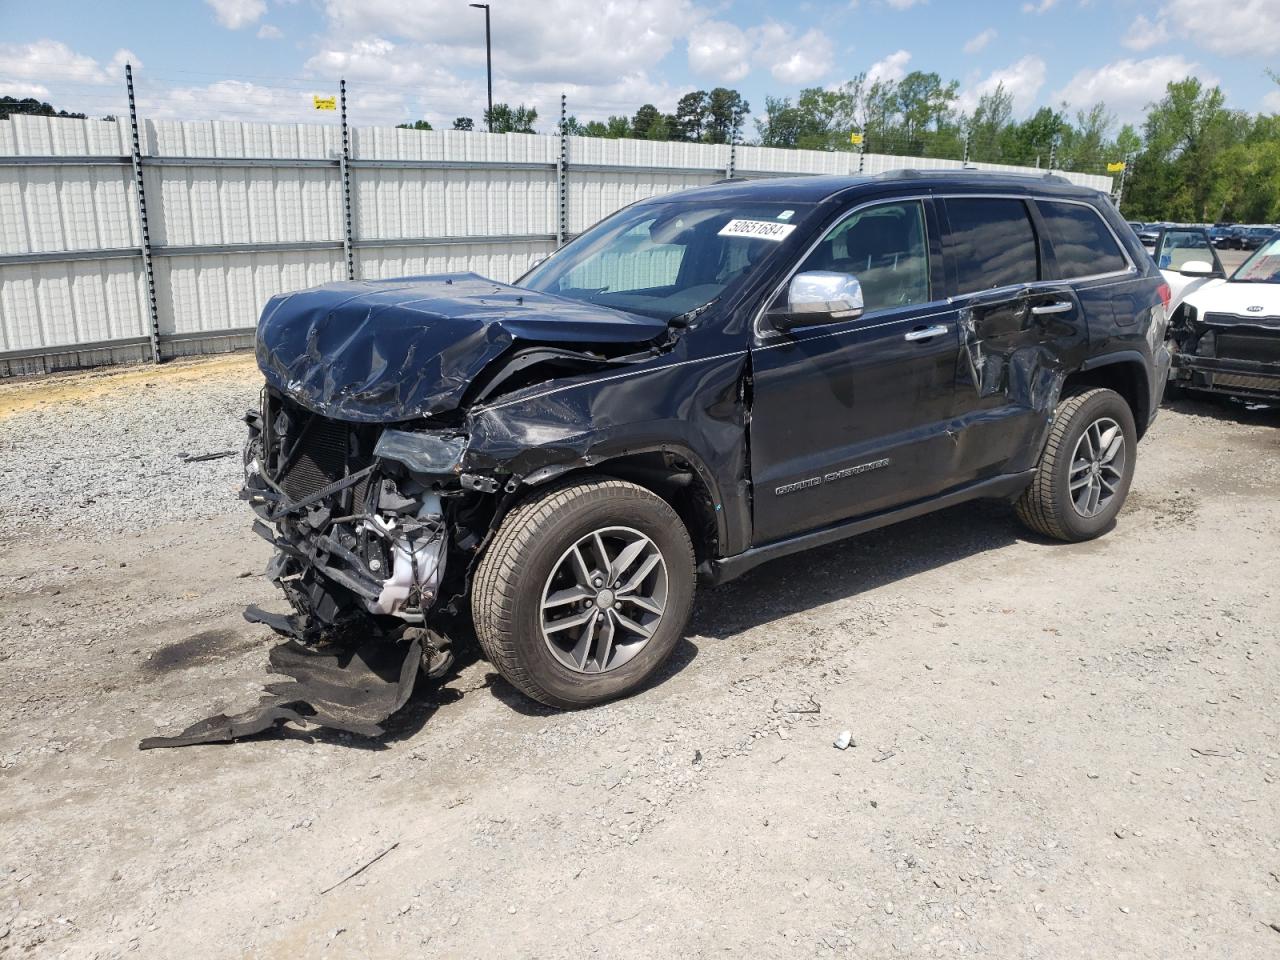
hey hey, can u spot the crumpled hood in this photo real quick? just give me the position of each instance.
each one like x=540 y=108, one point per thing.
x=1237 y=299
x=378 y=351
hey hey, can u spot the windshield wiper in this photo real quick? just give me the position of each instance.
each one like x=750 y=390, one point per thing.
x=684 y=319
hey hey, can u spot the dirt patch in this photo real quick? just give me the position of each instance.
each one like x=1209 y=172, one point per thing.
x=207 y=646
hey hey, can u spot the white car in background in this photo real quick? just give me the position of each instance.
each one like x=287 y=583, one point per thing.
x=1224 y=331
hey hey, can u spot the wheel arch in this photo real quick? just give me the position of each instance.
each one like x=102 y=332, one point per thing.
x=1125 y=372
x=675 y=474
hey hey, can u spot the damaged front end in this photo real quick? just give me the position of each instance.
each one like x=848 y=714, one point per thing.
x=363 y=520
x=1222 y=352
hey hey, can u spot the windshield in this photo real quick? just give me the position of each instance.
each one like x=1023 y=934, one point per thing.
x=1263 y=266
x=666 y=259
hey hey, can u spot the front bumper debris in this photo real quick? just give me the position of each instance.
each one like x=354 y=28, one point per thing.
x=343 y=688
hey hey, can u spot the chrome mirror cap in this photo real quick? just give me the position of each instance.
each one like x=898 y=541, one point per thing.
x=825 y=293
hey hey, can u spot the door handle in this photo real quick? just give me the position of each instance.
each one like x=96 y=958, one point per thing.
x=1058 y=306
x=926 y=333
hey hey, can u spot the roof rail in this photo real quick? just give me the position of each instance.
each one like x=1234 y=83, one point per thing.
x=917 y=173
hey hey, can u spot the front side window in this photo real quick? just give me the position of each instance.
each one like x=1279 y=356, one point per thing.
x=992 y=243
x=885 y=248
x=1082 y=243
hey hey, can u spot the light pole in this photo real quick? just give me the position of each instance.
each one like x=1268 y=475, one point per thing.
x=488 y=59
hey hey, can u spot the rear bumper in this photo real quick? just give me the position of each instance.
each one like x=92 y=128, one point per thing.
x=1241 y=378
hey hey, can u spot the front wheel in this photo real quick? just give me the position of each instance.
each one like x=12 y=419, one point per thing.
x=584 y=591
x=1085 y=470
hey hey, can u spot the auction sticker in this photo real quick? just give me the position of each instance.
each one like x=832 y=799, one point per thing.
x=760 y=229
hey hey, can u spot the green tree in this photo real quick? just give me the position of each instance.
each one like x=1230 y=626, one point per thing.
x=617 y=128
x=503 y=119
x=690 y=118
x=985 y=128
x=1179 y=173
x=416 y=125
x=464 y=123
x=726 y=109
x=646 y=118
x=30 y=106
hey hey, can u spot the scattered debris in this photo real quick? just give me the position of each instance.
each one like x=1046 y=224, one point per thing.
x=360 y=869
x=809 y=706
x=1209 y=752
x=884 y=756
x=201 y=457
x=843 y=741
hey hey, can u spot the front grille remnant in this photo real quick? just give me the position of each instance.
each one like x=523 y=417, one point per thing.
x=321 y=459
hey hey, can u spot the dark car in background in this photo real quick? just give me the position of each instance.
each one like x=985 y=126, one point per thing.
x=1254 y=237
x=702 y=382
x=1227 y=238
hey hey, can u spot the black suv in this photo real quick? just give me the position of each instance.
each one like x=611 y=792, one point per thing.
x=701 y=382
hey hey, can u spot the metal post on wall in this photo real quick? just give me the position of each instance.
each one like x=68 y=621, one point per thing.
x=562 y=177
x=733 y=147
x=147 y=268
x=345 y=164
x=862 y=154
x=1124 y=171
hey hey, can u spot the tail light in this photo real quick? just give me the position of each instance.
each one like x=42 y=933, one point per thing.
x=1165 y=296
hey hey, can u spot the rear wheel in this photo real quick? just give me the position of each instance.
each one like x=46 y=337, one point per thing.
x=1085 y=470
x=584 y=591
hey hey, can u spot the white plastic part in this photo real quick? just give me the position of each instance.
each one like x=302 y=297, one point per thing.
x=421 y=565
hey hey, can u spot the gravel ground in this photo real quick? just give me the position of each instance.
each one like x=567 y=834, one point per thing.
x=1058 y=751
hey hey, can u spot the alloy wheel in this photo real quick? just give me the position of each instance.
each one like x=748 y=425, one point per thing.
x=1097 y=467
x=604 y=599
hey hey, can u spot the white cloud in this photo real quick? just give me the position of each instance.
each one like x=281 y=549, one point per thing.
x=13 y=88
x=792 y=59
x=561 y=41
x=1271 y=102
x=51 y=60
x=1021 y=79
x=1143 y=34
x=1127 y=86
x=234 y=14
x=1044 y=6
x=269 y=32
x=889 y=70
x=904 y=4
x=978 y=43
x=720 y=50
x=725 y=52
x=1241 y=27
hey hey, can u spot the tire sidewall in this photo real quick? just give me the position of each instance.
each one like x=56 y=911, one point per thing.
x=659 y=523
x=1106 y=403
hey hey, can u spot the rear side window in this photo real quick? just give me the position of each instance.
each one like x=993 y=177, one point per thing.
x=992 y=242
x=1081 y=241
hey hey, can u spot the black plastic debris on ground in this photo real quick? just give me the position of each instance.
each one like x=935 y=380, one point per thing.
x=352 y=688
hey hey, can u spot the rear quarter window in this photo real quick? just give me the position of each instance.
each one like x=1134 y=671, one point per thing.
x=1082 y=243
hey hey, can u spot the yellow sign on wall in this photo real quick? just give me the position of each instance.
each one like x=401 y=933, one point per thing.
x=325 y=103
x=855 y=138
x=1115 y=167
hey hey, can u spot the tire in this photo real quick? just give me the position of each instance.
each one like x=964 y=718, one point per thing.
x=1048 y=506
x=530 y=560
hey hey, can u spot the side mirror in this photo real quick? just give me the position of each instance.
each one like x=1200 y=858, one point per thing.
x=1197 y=268
x=819 y=296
